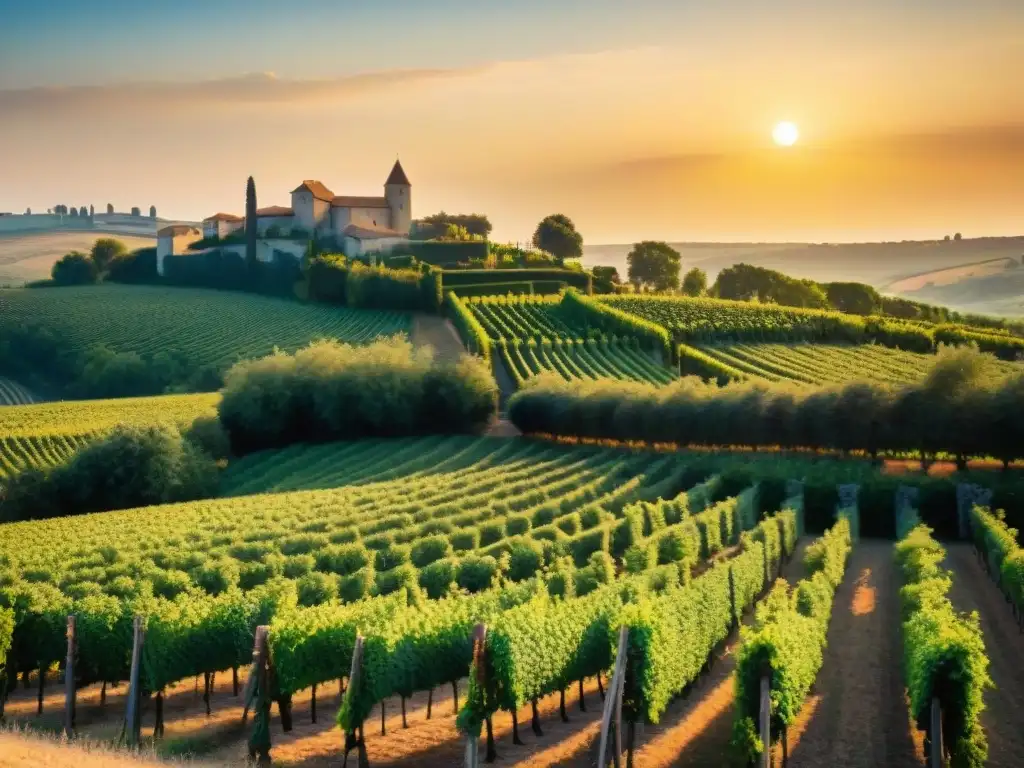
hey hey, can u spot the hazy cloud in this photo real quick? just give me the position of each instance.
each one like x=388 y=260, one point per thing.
x=257 y=88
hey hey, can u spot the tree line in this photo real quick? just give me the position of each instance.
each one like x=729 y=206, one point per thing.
x=963 y=408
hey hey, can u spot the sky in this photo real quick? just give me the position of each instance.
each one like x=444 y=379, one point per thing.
x=643 y=120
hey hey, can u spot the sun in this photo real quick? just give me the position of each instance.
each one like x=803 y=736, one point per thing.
x=785 y=134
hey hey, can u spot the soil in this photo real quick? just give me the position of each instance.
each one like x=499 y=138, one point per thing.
x=439 y=333
x=973 y=590
x=857 y=714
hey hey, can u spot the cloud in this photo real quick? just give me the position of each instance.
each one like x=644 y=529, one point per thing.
x=252 y=89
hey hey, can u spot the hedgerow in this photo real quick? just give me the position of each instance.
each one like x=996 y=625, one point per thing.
x=1004 y=556
x=591 y=313
x=473 y=334
x=943 y=651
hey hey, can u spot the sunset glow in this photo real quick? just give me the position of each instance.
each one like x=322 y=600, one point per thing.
x=785 y=134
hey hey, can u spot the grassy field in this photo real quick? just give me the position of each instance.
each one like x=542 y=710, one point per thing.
x=828 y=363
x=206 y=327
x=46 y=434
x=27 y=257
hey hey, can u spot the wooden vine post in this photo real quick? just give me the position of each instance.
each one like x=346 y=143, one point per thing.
x=69 y=680
x=355 y=739
x=611 y=717
x=472 y=757
x=765 y=719
x=935 y=750
x=258 y=697
x=133 y=716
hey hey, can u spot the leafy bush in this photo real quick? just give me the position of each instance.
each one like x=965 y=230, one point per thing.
x=473 y=334
x=75 y=268
x=426 y=550
x=477 y=573
x=316 y=588
x=437 y=578
x=134 y=466
x=332 y=391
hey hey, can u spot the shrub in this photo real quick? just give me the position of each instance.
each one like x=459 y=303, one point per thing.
x=333 y=391
x=399 y=577
x=134 y=466
x=472 y=332
x=477 y=573
x=357 y=586
x=296 y=566
x=437 y=578
x=317 y=588
x=465 y=540
x=75 y=268
x=525 y=559
x=392 y=555
x=343 y=559
x=217 y=577
x=427 y=550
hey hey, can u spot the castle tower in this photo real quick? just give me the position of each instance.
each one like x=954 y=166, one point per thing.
x=398 y=193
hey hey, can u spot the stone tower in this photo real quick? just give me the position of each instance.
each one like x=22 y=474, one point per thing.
x=398 y=192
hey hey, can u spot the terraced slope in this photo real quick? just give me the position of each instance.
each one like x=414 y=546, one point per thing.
x=45 y=434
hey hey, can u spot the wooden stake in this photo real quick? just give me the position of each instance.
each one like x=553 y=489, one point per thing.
x=132 y=718
x=766 y=719
x=42 y=680
x=608 y=717
x=935 y=735
x=69 y=681
x=383 y=725
x=258 y=696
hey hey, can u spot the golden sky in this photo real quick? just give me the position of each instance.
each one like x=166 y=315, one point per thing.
x=900 y=138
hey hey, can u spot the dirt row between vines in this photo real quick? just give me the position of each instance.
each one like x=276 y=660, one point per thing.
x=1003 y=716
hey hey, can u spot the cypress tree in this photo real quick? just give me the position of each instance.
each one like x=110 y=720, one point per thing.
x=250 y=225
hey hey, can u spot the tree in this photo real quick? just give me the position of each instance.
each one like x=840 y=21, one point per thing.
x=152 y=211
x=654 y=264
x=110 y=208
x=958 y=236
x=744 y=282
x=105 y=250
x=854 y=298
x=947 y=238
x=92 y=212
x=136 y=211
x=557 y=235
x=72 y=212
x=83 y=212
x=28 y=211
x=250 y=224
x=695 y=282
x=74 y=268
x=605 y=279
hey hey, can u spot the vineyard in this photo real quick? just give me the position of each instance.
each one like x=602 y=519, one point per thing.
x=204 y=327
x=534 y=334
x=46 y=434
x=12 y=393
x=820 y=364
x=561 y=552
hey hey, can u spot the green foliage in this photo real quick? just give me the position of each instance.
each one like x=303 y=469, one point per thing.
x=456 y=280
x=434 y=226
x=695 y=282
x=74 y=268
x=943 y=652
x=557 y=235
x=105 y=251
x=473 y=334
x=592 y=313
x=654 y=265
x=449 y=254
x=746 y=282
x=1004 y=556
x=133 y=466
x=787 y=640
x=382 y=389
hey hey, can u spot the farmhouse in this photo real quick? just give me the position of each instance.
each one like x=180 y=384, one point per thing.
x=175 y=238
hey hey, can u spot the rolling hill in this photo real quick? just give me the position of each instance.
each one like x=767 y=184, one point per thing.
x=25 y=257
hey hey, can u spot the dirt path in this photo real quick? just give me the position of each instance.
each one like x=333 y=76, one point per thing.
x=1003 y=718
x=439 y=333
x=857 y=713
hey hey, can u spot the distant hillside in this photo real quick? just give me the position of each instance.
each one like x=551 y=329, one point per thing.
x=878 y=264
x=29 y=256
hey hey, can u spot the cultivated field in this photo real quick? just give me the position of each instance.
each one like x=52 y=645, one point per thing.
x=828 y=363
x=13 y=393
x=46 y=434
x=206 y=327
x=27 y=257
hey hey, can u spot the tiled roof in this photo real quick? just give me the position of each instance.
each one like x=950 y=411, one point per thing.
x=351 y=201
x=365 y=233
x=174 y=230
x=274 y=210
x=223 y=217
x=398 y=176
x=320 y=192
